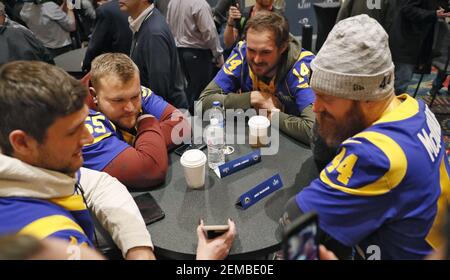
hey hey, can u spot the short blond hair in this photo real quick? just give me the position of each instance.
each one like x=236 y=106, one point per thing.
x=108 y=64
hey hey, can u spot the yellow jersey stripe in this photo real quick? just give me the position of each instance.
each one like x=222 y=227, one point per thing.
x=71 y=203
x=304 y=85
x=304 y=54
x=407 y=109
x=435 y=237
x=390 y=180
x=47 y=226
x=98 y=139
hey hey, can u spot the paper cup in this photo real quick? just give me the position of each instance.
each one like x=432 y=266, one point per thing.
x=194 y=162
x=258 y=131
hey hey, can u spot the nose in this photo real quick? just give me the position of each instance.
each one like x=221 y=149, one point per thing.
x=87 y=137
x=257 y=59
x=129 y=107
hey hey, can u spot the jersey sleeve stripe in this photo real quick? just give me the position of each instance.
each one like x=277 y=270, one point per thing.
x=49 y=225
x=390 y=180
x=71 y=203
x=435 y=237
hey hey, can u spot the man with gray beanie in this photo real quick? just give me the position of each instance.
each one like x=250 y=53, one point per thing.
x=385 y=193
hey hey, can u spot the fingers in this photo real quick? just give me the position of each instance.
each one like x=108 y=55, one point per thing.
x=232 y=231
x=200 y=232
x=234 y=13
x=324 y=254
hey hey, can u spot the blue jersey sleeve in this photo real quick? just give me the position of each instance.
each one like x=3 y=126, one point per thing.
x=107 y=142
x=298 y=81
x=353 y=193
x=40 y=219
x=152 y=104
x=228 y=78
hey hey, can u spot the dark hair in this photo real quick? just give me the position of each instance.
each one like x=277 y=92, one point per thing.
x=265 y=20
x=33 y=95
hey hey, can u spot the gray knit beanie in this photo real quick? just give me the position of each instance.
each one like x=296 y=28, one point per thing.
x=355 y=61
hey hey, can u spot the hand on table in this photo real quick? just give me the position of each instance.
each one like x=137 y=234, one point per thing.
x=263 y=100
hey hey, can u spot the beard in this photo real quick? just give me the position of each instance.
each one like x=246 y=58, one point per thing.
x=68 y=166
x=267 y=71
x=335 y=132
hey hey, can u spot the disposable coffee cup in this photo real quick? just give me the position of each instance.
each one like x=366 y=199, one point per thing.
x=194 y=162
x=258 y=131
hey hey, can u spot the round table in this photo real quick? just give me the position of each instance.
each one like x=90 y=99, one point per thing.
x=258 y=230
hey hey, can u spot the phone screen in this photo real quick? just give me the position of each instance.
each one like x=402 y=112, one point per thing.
x=301 y=240
x=303 y=245
x=180 y=150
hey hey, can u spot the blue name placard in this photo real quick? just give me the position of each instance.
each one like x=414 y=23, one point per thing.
x=238 y=164
x=259 y=192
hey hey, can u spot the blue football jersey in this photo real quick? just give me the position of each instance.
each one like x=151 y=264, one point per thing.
x=109 y=141
x=386 y=190
x=152 y=103
x=64 y=218
x=236 y=75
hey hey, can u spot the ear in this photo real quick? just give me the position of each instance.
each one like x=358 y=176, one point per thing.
x=93 y=94
x=22 y=144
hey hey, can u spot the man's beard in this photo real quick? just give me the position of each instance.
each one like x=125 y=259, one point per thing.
x=47 y=162
x=267 y=72
x=334 y=132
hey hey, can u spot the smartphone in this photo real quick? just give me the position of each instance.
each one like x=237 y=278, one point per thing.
x=183 y=148
x=149 y=208
x=237 y=22
x=300 y=239
x=212 y=231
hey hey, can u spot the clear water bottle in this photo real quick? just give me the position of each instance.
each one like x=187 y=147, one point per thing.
x=215 y=141
x=217 y=112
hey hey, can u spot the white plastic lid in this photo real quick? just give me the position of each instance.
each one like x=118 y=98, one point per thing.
x=193 y=158
x=214 y=121
x=259 y=122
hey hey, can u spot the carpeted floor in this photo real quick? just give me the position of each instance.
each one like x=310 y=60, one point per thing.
x=441 y=105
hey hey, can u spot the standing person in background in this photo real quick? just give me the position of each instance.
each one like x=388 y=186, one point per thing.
x=19 y=43
x=233 y=31
x=154 y=51
x=196 y=37
x=411 y=37
x=383 y=14
x=51 y=24
x=162 y=6
x=111 y=33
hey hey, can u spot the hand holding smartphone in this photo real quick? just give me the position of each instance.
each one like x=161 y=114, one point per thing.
x=212 y=231
x=300 y=239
